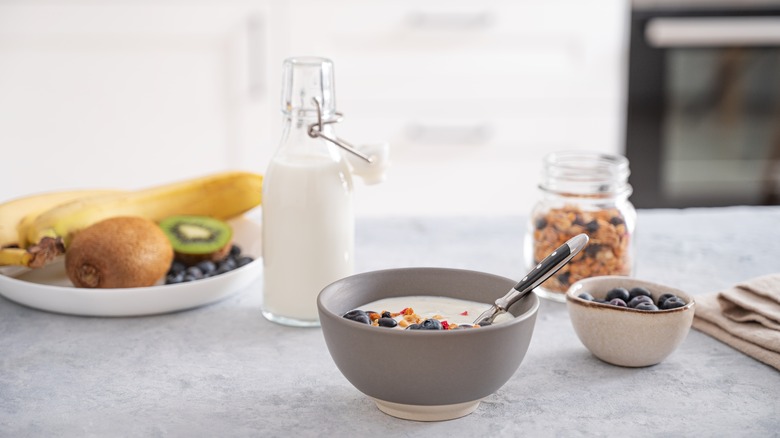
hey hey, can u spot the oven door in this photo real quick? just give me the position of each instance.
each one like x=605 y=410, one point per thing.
x=703 y=116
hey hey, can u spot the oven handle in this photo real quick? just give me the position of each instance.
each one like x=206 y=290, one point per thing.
x=713 y=31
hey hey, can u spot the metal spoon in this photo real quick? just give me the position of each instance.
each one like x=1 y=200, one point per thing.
x=546 y=268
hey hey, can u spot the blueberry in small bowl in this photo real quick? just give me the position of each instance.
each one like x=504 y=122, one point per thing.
x=651 y=324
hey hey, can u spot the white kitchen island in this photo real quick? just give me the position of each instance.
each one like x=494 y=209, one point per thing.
x=223 y=370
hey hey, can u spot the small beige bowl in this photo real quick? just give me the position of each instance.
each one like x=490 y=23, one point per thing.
x=623 y=336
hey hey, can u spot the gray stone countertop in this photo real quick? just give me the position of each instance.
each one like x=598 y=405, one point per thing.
x=223 y=370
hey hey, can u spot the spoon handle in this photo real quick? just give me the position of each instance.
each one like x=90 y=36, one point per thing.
x=550 y=265
x=544 y=270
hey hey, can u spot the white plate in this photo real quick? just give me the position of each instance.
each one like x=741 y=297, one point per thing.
x=50 y=289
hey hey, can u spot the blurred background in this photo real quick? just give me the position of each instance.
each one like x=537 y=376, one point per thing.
x=470 y=95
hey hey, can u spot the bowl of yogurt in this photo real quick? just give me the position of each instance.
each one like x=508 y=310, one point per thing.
x=419 y=373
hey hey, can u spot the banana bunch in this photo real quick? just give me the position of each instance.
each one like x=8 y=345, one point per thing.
x=36 y=229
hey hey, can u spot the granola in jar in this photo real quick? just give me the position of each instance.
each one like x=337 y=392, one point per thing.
x=608 y=252
x=582 y=192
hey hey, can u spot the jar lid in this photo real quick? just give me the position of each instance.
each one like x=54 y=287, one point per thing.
x=585 y=173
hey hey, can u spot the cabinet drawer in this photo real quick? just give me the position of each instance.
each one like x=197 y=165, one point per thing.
x=444 y=50
x=467 y=131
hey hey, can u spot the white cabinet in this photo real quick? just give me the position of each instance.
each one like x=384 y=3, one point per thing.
x=470 y=94
x=129 y=94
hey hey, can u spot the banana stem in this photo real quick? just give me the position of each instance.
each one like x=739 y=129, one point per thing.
x=35 y=256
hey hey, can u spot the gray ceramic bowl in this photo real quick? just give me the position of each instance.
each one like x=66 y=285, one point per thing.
x=623 y=336
x=425 y=375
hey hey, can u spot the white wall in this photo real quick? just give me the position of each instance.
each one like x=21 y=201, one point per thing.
x=469 y=94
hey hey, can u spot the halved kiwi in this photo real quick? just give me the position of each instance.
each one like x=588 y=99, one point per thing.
x=198 y=238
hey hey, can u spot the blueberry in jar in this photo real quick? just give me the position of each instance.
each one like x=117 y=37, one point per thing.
x=414 y=327
x=592 y=249
x=386 y=314
x=618 y=292
x=358 y=315
x=564 y=277
x=616 y=220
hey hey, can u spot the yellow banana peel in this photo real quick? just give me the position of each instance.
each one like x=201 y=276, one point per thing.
x=222 y=195
x=16 y=212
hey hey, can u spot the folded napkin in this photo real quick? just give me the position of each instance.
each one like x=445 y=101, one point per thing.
x=746 y=317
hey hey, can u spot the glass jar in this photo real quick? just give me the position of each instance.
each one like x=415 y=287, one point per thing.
x=582 y=192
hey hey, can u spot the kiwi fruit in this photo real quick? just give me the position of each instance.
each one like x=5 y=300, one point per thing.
x=118 y=252
x=198 y=238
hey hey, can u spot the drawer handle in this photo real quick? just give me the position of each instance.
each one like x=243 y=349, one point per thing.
x=448 y=134
x=713 y=32
x=449 y=20
x=256 y=56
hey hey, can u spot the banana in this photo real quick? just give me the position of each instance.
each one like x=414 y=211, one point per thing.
x=33 y=257
x=14 y=257
x=16 y=211
x=223 y=196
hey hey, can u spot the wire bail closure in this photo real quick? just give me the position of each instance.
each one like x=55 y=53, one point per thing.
x=315 y=130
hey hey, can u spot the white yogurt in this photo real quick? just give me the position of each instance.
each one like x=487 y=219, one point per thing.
x=452 y=310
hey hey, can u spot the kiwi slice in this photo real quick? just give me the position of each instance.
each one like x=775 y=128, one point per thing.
x=198 y=238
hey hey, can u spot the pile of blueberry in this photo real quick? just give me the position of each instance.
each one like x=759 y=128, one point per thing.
x=180 y=273
x=385 y=319
x=638 y=298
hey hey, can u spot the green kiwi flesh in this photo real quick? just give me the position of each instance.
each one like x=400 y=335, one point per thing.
x=198 y=238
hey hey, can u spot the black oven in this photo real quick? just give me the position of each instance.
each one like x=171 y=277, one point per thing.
x=703 y=113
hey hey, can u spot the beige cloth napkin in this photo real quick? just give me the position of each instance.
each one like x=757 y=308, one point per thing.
x=746 y=317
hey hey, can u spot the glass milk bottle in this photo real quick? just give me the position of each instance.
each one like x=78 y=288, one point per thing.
x=308 y=221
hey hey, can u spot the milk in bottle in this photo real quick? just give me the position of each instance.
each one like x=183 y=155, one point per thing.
x=308 y=221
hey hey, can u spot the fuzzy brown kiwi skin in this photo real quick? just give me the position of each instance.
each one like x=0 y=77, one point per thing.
x=118 y=252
